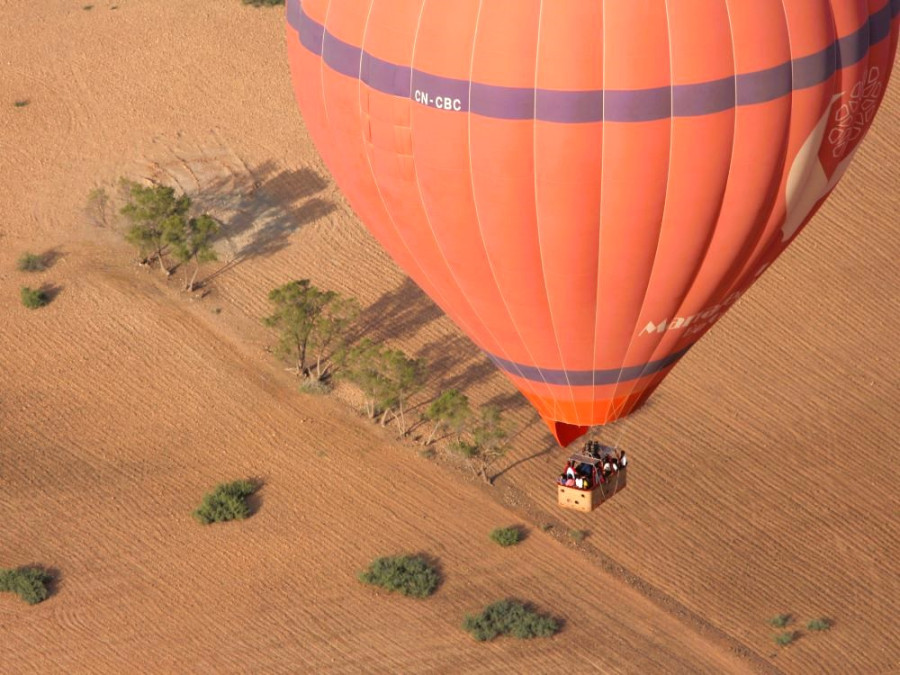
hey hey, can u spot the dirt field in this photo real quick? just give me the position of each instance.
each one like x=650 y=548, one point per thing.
x=763 y=476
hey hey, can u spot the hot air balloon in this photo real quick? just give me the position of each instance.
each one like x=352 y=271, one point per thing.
x=586 y=186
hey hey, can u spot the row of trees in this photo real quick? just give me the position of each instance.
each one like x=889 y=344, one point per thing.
x=314 y=328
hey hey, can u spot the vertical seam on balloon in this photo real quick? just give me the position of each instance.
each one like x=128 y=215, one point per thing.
x=498 y=343
x=656 y=355
x=478 y=220
x=537 y=59
x=662 y=222
x=322 y=68
x=594 y=358
x=739 y=279
x=387 y=211
x=752 y=261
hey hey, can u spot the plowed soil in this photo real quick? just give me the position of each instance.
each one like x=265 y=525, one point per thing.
x=763 y=477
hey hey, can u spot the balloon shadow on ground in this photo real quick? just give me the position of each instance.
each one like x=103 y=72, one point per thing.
x=259 y=214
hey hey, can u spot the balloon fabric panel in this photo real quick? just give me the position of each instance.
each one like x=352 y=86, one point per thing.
x=586 y=187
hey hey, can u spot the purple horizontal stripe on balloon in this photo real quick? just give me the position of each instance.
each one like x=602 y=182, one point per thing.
x=550 y=105
x=586 y=378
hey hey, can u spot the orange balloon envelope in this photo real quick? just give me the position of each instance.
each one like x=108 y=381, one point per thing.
x=586 y=186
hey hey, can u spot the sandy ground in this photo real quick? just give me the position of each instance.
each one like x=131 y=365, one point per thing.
x=763 y=474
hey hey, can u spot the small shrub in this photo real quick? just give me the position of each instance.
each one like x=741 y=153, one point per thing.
x=408 y=575
x=509 y=617
x=819 y=624
x=227 y=502
x=506 y=536
x=263 y=3
x=784 y=639
x=780 y=621
x=31 y=262
x=29 y=583
x=21 y=103
x=546 y=527
x=577 y=536
x=310 y=385
x=33 y=298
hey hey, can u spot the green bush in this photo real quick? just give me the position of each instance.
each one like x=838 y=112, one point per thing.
x=226 y=502
x=21 y=103
x=263 y=3
x=408 y=575
x=313 y=386
x=780 y=621
x=33 y=298
x=784 y=639
x=29 y=583
x=819 y=624
x=31 y=262
x=509 y=617
x=506 y=536
x=577 y=536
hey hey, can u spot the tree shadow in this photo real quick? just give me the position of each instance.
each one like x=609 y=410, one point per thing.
x=50 y=291
x=445 y=356
x=50 y=257
x=548 y=449
x=508 y=402
x=259 y=215
x=54 y=575
x=397 y=314
x=255 y=501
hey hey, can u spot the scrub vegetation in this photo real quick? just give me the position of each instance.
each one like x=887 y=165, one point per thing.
x=34 y=298
x=784 y=639
x=509 y=617
x=31 y=262
x=227 y=502
x=408 y=575
x=819 y=625
x=506 y=536
x=29 y=583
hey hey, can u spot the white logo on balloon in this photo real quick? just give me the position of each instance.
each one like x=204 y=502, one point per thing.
x=807 y=182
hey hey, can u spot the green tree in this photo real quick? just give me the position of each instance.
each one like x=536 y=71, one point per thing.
x=450 y=409
x=29 y=583
x=33 y=298
x=191 y=239
x=329 y=334
x=151 y=211
x=31 y=262
x=408 y=376
x=388 y=377
x=308 y=320
x=490 y=441
x=362 y=365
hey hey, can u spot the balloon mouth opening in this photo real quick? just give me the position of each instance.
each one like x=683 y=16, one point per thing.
x=565 y=433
